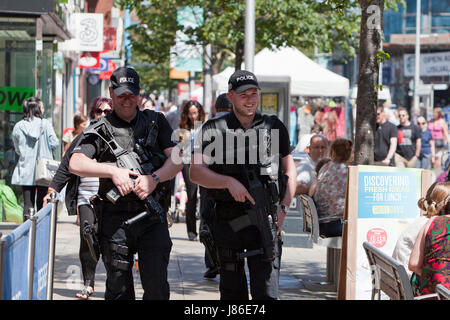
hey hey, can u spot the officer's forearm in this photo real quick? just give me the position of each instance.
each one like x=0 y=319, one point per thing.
x=168 y=170
x=83 y=166
x=202 y=175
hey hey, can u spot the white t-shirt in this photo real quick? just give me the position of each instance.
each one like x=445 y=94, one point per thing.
x=405 y=242
x=306 y=171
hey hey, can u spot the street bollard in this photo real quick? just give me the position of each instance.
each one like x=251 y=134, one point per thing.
x=51 y=246
x=31 y=248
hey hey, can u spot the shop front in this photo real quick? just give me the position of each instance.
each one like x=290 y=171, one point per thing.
x=28 y=39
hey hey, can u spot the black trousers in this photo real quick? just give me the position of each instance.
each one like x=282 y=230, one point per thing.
x=264 y=275
x=206 y=217
x=88 y=264
x=32 y=195
x=191 y=206
x=150 y=239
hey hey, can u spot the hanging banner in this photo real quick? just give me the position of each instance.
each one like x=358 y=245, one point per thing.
x=187 y=57
x=87 y=29
x=109 y=39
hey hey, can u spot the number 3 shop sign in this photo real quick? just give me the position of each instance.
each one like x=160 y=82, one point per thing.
x=11 y=98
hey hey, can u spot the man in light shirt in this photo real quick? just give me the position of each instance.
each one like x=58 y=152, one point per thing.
x=306 y=174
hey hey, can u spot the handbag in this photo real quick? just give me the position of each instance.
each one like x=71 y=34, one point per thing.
x=45 y=168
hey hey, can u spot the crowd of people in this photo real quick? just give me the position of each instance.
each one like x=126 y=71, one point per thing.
x=322 y=174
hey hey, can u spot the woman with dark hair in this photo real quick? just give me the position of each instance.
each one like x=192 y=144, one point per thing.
x=192 y=112
x=79 y=123
x=79 y=191
x=29 y=135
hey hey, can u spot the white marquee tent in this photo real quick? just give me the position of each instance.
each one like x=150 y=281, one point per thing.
x=307 y=77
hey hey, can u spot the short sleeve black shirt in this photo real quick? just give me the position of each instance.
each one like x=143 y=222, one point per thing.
x=138 y=129
x=383 y=135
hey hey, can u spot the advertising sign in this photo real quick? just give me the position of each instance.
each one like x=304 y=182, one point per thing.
x=89 y=60
x=88 y=31
x=11 y=98
x=431 y=64
x=381 y=203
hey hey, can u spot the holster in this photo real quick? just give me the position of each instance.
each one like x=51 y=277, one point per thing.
x=207 y=239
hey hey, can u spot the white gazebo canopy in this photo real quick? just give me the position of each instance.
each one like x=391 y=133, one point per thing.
x=307 y=77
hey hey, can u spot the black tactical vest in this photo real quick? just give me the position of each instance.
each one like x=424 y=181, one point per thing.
x=263 y=122
x=143 y=130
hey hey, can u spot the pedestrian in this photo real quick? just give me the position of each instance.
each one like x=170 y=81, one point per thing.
x=408 y=147
x=439 y=130
x=33 y=137
x=77 y=198
x=430 y=257
x=192 y=114
x=222 y=107
x=306 y=169
x=149 y=237
x=329 y=190
x=427 y=151
x=385 y=140
x=80 y=122
x=234 y=185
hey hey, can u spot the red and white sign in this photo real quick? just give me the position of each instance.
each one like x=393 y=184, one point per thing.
x=107 y=74
x=90 y=60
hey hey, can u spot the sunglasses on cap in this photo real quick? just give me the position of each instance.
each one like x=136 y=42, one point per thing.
x=105 y=111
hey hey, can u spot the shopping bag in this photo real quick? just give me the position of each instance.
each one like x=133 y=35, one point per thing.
x=45 y=171
x=12 y=211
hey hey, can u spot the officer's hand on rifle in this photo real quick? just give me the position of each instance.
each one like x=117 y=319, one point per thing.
x=238 y=191
x=121 y=178
x=144 y=185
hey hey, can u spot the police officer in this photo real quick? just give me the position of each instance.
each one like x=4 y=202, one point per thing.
x=148 y=237
x=225 y=181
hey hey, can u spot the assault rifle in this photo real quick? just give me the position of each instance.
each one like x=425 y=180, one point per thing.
x=137 y=161
x=207 y=239
x=258 y=215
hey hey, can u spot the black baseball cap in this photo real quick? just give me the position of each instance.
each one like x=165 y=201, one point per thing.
x=242 y=80
x=222 y=102
x=125 y=79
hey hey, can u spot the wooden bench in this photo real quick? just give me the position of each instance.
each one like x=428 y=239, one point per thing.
x=389 y=276
x=442 y=292
x=333 y=244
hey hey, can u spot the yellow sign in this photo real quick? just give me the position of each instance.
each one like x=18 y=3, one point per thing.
x=269 y=103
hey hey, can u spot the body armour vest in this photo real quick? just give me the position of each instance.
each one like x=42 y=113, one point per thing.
x=143 y=132
x=245 y=150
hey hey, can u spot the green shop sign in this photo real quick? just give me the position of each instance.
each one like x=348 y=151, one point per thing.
x=11 y=98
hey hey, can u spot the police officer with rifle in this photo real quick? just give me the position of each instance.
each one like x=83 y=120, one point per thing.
x=133 y=151
x=244 y=160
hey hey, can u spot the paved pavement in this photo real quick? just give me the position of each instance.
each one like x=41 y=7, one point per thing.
x=300 y=266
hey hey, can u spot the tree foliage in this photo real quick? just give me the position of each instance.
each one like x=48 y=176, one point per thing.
x=327 y=25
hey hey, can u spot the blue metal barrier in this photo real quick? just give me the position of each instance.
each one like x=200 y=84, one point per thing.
x=15 y=259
